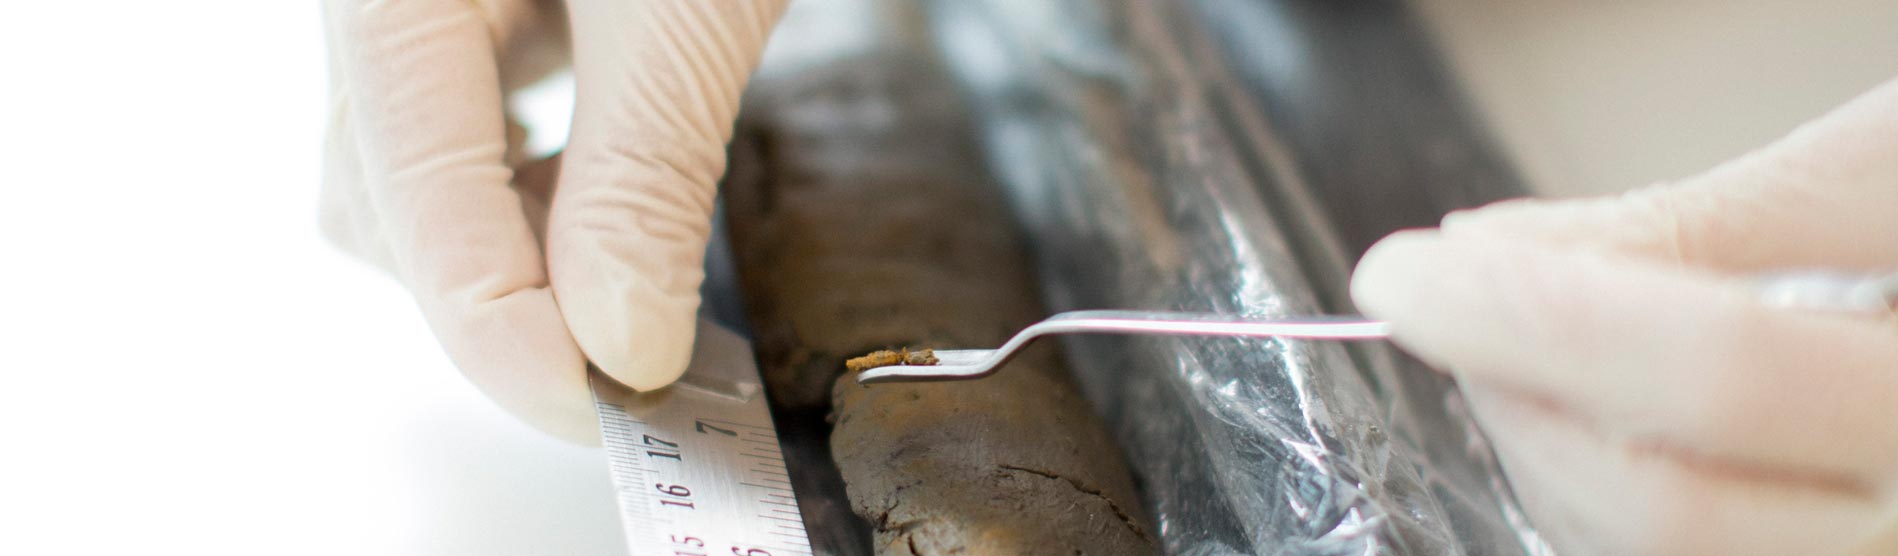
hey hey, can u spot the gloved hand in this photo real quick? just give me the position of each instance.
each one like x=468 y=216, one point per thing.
x=421 y=156
x=1642 y=400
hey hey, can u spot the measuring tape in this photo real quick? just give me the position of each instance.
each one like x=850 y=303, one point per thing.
x=696 y=465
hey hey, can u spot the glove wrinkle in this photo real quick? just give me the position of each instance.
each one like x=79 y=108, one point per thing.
x=658 y=87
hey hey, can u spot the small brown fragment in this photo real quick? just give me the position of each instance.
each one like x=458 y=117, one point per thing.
x=885 y=358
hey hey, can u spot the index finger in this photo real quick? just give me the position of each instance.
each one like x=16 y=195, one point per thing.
x=1647 y=349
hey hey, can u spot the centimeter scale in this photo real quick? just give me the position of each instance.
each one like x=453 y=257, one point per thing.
x=696 y=465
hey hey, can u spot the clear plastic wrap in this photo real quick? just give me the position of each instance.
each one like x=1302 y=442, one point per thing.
x=1150 y=177
x=1150 y=172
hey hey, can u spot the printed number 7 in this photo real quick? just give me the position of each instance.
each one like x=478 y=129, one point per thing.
x=702 y=426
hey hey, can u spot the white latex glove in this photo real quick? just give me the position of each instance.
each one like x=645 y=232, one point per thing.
x=421 y=157
x=1640 y=397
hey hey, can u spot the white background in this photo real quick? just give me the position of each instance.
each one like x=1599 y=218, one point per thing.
x=185 y=367
x=1599 y=96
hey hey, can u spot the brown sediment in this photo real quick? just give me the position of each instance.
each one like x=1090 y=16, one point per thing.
x=861 y=217
x=889 y=358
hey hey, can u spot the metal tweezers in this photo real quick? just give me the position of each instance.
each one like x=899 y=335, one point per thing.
x=1817 y=291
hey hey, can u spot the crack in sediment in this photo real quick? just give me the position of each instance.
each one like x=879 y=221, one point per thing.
x=896 y=499
x=903 y=530
x=1125 y=519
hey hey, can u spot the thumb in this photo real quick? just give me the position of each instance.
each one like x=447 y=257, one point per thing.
x=657 y=91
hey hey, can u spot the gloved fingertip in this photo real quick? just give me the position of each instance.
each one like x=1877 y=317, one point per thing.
x=1638 y=222
x=638 y=336
x=1526 y=218
x=516 y=349
x=1471 y=218
x=652 y=362
x=1393 y=274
